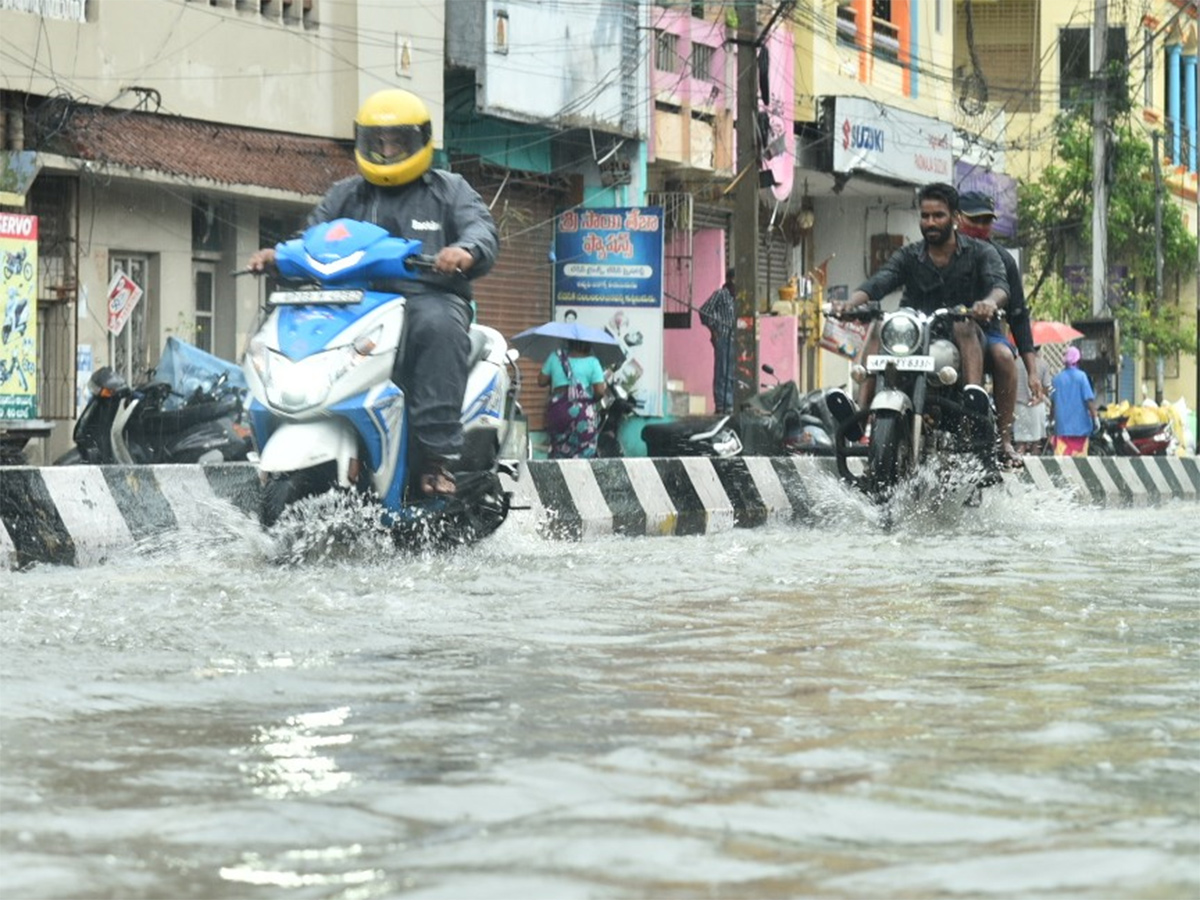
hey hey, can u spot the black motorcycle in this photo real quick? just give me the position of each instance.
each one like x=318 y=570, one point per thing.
x=713 y=436
x=136 y=426
x=782 y=421
x=919 y=410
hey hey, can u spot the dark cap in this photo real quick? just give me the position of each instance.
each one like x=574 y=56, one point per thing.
x=973 y=203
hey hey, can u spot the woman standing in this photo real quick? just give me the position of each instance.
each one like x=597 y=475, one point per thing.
x=576 y=381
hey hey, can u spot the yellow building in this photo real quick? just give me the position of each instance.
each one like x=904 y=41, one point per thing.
x=882 y=86
x=1035 y=57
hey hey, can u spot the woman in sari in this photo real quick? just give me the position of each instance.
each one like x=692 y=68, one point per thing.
x=576 y=381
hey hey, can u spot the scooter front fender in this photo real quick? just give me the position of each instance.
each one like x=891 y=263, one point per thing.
x=295 y=446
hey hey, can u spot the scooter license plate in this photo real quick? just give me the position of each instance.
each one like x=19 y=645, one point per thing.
x=876 y=363
x=316 y=298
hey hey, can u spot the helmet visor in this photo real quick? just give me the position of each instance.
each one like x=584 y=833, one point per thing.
x=384 y=145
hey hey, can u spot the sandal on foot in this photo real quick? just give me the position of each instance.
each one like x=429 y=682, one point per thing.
x=1010 y=459
x=438 y=482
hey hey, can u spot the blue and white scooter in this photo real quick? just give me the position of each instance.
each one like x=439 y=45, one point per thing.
x=324 y=411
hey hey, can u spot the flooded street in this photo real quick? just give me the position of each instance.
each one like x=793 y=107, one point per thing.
x=987 y=702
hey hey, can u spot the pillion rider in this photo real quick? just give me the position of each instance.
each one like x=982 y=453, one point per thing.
x=943 y=270
x=398 y=189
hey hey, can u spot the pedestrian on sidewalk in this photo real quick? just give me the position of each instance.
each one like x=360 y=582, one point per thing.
x=1075 y=414
x=718 y=316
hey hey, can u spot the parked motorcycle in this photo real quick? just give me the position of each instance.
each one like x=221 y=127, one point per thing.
x=324 y=410
x=782 y=421
x=141 y=426
x=1116 y=437
x=713 y=436
x=919 y=409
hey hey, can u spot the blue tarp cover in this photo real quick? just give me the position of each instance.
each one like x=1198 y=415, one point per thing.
x=186 y=367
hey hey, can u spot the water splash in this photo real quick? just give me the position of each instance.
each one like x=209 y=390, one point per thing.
x=337 y=525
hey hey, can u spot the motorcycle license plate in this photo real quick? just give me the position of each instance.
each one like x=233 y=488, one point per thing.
x=320 y=298
x=876 y=363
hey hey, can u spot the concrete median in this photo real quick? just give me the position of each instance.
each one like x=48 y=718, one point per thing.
x=83 y=515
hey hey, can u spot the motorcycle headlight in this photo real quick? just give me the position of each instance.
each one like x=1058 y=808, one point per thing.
x=900 y=335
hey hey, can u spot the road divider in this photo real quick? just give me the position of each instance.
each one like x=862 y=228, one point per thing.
x=83 y=515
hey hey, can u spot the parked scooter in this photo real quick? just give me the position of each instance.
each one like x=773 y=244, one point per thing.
x=325 y=412
x=1116 y=437
x=614 y=408
x=137 y=426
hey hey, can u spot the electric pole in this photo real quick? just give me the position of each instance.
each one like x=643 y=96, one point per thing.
x=1099 y=158
x=1159 y=364
x=745 y=219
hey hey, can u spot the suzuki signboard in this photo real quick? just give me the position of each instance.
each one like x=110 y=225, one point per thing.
x=875 y=139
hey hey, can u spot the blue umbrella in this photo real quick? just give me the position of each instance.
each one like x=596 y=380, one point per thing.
x=540 y=342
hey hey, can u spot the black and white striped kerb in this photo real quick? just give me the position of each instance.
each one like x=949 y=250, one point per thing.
x=83 y=515
x=578 y=499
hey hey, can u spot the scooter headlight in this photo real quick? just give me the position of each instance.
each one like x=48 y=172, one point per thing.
x=901 y=334
x=296 y=386
x=259 y=356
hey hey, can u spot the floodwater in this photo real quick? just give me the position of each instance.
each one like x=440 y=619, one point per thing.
x=995 y=702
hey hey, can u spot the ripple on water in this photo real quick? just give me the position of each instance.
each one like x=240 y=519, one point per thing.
x=979 y=701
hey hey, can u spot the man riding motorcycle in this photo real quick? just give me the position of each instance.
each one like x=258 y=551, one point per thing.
x=398 y=189
x=944 y=270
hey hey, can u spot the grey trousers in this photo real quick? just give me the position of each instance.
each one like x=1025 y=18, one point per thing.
x=432 y=372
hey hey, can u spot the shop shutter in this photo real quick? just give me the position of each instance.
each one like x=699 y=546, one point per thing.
x=515 y=295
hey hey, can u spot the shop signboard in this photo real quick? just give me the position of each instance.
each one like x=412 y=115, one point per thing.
x=18 y=338
x=882 y=140
x=608 y=275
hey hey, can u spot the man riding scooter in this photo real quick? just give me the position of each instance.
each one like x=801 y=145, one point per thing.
x=398 y=189
x=944 y=270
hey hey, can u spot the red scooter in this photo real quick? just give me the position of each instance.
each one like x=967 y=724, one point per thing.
x=1118 y=438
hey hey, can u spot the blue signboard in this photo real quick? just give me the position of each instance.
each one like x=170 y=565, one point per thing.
x=608 y=275
x=609 y=257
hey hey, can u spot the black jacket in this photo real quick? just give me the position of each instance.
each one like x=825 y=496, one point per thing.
x=1016 y=309
x=440 y=209
x=974 y=271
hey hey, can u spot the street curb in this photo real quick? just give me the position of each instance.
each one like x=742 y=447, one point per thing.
x=83 y=515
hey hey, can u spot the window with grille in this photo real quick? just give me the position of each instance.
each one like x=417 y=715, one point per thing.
x=666 y=51
x=702 y=62
x=130 y=348
x=290 y=12
x=204 y=282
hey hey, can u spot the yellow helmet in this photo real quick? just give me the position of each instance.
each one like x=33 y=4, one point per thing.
x=393 y=138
